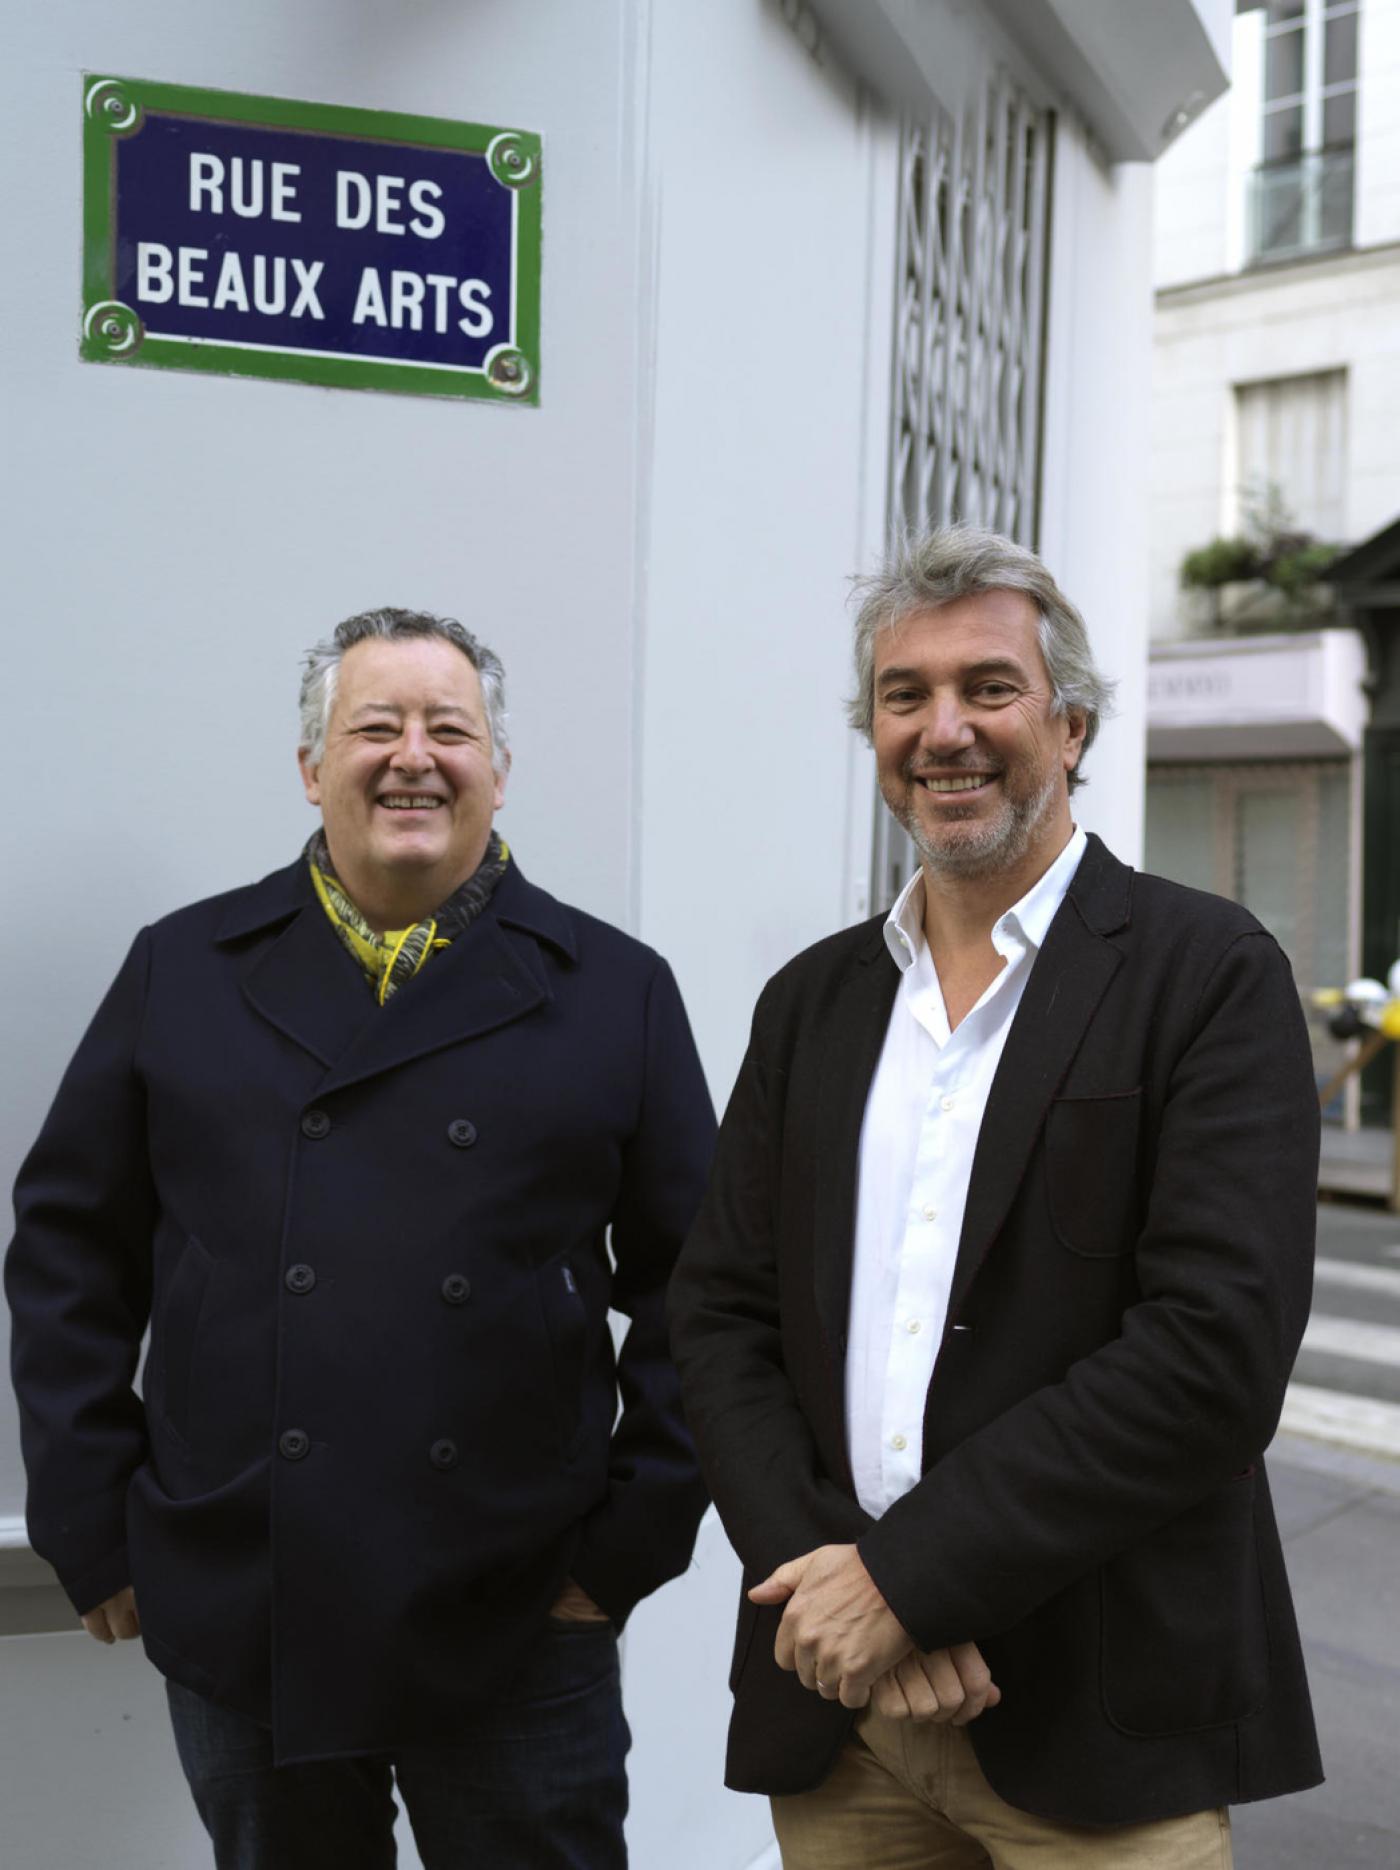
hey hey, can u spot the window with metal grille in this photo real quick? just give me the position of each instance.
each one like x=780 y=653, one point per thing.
x=972 y=255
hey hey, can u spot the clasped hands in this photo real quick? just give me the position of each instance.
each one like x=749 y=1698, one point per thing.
x=847 y=1645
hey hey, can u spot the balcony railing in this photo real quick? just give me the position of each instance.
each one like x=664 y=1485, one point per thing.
x=1302 y=206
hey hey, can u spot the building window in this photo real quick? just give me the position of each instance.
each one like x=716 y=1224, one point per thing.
x=1274 y=835
x=970 y=315
x=1301 y=191
x=1291 y=440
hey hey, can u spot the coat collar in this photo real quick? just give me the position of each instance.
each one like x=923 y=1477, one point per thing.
x=308 y=987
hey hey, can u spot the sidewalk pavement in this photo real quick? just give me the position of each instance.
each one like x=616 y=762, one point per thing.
x=1339 y=1513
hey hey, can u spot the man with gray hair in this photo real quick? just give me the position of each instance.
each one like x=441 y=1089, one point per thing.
x=987 y=1316
x=374 y=1145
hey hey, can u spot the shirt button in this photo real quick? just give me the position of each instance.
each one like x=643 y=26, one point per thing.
x=930 y=1213
x=300 y=1278
x=462 y=1132
x=913 y=1327
x=946 y=1103
x=456 y=1288
x=898 y=1443
x=443 y=1454
x=294 y=1444
x=315 y=1124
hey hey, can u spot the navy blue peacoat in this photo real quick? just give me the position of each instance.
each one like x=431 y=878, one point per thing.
x=376 y=1248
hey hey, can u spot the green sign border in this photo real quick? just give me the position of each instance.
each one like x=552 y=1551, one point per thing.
x=112 y=333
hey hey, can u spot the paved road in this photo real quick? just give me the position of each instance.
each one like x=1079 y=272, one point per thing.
x=1339 y=1509
x=1347 y=1383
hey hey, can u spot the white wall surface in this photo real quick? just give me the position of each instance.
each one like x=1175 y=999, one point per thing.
x=1093 y=530
x=773 y=327
x=1192 y=208
x=1378 y=125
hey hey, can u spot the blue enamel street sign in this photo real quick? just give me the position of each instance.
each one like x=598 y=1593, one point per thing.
x=272 y=238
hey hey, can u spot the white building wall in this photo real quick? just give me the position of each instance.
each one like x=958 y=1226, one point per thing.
x=1378 y=125
x=1325 y=314
x=1192 y=209
x=1093 y=531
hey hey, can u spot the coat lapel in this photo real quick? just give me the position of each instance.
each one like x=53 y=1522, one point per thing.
x=304 y=983
x=851 y=1043
x=1068 y=980
x=311 y=989
x=492 y=974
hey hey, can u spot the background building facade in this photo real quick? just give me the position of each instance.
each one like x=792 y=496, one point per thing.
x=1276 y=399
x=809 y=272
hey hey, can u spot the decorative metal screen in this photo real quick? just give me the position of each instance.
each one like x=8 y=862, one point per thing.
x=973 y=246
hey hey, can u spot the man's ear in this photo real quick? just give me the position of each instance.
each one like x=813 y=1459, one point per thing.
x=498 y=797
x=310 y=776
x=1076 y=726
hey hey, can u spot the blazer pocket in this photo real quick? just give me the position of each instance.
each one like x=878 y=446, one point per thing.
x=178 y=1331
x=1091 y=1146
x=743 y=1634
x=1185 y=1634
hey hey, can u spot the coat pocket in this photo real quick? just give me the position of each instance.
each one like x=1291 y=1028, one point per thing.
x=1091 y=1146
x=177 y=1332
x=1185 y=1635
x=566 y=1321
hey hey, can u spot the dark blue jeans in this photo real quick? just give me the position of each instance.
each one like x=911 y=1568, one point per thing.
x=540 y=1784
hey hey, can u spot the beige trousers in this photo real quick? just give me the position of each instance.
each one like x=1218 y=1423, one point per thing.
x=906 y=1797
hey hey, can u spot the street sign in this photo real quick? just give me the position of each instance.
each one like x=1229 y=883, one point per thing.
x=264 y=237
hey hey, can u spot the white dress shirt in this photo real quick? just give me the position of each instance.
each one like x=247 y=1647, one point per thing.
x=922 y=1119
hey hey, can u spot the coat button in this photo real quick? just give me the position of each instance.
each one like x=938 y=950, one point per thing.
x=300 y=1278
x=462 y=1132
x=443 y=1454
x=315 y=1124
x=294 y=1444
x=456 y=1288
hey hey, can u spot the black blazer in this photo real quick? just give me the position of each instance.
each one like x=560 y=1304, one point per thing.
x=1131 y=1287
x=378 y=1421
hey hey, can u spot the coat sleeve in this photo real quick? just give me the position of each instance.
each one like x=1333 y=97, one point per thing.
x=1189 y=1393
x=761 y=1460
x=78 y=1280
x=643 y=1532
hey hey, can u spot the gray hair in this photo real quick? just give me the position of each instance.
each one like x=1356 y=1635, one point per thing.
x=321 y=671
x=927 y=570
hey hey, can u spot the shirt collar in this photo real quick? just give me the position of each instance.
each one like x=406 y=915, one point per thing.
x=1031 y=916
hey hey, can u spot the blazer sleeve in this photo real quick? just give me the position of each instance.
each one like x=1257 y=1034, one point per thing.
x=761 y=1460
x=643 y=1532
x=78 y=1281
x=1189 y=1393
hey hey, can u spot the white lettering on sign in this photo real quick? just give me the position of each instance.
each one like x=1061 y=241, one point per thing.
x=428 y=220
x=154 y=285
x=358 y=202
x=162 y=275
x=407 y=297
x=252 y=186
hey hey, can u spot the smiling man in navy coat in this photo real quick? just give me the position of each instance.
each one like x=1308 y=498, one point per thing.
x=987 y=1316
x=373 y=1144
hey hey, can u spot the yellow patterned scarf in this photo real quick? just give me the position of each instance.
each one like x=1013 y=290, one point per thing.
x=397 y=955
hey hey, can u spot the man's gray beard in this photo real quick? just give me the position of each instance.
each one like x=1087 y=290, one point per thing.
x=998 y=845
